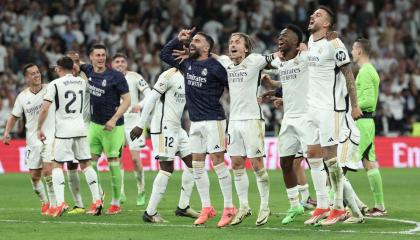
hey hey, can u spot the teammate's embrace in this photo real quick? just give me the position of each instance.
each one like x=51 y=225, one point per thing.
x=330 y=80
x=246 y=129
x=67 y=93
x=205 y=80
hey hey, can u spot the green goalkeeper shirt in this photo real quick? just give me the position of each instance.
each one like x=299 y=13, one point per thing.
x=367 y=86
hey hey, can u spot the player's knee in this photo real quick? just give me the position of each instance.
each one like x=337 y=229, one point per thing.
x=314 y=152
x=167 y=166
x=238 y=163
x=286 y=164
x=315 y=163
x=72 y=166
x=188 y=160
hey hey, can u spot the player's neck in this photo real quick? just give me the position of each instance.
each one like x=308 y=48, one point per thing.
x=99 y=69
x=35 y=88
x=320 y=34
x=290 y=55
x=238 y=60
x=202 y=58
x=362 y=61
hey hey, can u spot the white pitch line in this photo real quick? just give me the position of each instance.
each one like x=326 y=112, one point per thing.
x=413 y=231
x=192 y=226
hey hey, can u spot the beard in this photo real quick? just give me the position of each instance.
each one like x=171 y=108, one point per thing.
x=195 y=54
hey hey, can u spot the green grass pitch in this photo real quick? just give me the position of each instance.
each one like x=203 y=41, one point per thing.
x=20 y=217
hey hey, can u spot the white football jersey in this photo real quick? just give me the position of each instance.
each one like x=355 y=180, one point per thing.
x=68 y=95
x=244 y=83
x=29 y=104
x=168 y=110
x=135 y=83
x=293 y=75
x=327 y=85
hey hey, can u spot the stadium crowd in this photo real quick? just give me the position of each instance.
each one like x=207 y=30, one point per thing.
x=42 y=31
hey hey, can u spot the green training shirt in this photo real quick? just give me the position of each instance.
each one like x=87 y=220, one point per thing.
x=367 y=87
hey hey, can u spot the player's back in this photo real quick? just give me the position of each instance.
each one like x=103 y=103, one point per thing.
x=169 y=109
x=244 y=83
x=135 y=83
x=326 y=83
x=69 y=99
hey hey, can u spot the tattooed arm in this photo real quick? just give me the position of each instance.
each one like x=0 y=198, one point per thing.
x=356 y=112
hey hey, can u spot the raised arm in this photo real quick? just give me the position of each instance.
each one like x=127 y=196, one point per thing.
x=175 y=44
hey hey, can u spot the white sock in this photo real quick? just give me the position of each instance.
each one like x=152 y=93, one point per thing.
x=319 y=179
x=122 y=182
x=139 y=175
x=74 y=185
x=337 y=183
x=263 y=187
x=186 y=188
x=202 y=182
x=159 y=188
x=359 y=202
x=293 y=195
x=241 y=185
x=50 y=190
x=225 y=182
x=349 y=194
x=58 y=183
x=38 y=187
x=304 y=192
x=92 y=181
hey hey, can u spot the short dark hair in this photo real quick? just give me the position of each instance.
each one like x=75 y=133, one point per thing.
x=209 y=40
x=27 y=66
x=65 y=63
x=119 y=55
x=97 y=46
x=330 y=14
x=296 y=30
x=364 y=45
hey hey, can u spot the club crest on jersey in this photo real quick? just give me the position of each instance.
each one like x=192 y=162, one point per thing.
x=89 y=79
x=204 y=72
x=104 y=83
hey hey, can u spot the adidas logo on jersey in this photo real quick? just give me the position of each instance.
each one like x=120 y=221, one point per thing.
x=330 y=139
x=179 y=87
x=189 y=68
x=29 y=102
x=258 y=151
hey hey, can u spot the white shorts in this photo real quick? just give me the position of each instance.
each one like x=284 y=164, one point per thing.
x=349 y=141
x=130 y=121
x=69 y=149
x=291 y=137
x=170 y=143
x=207 y=136
x=37 y=155
x=323 y=127
x=246 y=138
